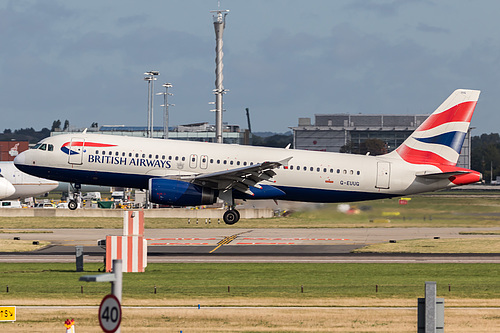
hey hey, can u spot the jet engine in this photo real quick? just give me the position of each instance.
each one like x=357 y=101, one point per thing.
x=178 y=193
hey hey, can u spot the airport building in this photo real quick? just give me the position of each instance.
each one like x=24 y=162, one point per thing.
x=10 y=149
x=202 y=132
x=330 y=132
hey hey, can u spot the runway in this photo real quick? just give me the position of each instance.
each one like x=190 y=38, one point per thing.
x=249 y=245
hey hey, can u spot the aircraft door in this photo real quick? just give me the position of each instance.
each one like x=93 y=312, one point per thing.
x=204 y=162
x=193 y=161
x=383 y=175
x=75 y=151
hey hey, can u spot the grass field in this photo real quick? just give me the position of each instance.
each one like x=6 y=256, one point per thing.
x=335 y=297
x=280 y=283
x=449 y=245
x=422 y=211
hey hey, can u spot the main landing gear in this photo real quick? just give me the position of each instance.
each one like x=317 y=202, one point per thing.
x=231 y=216
x=77 y=197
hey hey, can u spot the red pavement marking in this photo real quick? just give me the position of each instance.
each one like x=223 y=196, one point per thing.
x=178 y=244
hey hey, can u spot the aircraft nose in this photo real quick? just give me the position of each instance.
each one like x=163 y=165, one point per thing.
x=20 y=159
x=6 y=188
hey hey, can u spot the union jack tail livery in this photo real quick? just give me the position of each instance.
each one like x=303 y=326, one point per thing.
x=438 y=140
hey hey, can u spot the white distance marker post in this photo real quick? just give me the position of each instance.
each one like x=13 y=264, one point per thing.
x=110 y=314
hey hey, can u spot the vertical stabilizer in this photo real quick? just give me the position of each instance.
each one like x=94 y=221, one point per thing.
x=439 y=139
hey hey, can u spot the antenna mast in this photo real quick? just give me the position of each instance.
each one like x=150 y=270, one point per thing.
x=219 y=91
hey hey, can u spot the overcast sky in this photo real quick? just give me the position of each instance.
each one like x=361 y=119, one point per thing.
x=284 y=59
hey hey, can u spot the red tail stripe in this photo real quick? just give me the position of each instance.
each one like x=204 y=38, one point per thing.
x=460 y=112
x=415 y=156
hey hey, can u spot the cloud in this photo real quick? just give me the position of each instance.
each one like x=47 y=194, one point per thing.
x=383 y=8
x=432 y=29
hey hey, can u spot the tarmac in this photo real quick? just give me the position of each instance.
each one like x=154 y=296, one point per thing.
x=249 y=245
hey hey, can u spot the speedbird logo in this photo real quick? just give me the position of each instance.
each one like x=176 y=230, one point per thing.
x=66 y=148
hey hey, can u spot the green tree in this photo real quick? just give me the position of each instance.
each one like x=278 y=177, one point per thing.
x=56 y=126
x=485 y=155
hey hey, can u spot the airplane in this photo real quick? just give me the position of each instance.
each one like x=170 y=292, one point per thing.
x=20 y=184
x=6 y=188
x=183 y=173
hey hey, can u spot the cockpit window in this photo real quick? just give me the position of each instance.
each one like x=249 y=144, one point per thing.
x=43 y=147
x=51 y=147
x=36 y=146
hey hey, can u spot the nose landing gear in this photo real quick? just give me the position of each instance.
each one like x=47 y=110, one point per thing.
x=77 y=197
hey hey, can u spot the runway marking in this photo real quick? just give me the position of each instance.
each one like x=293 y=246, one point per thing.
x=228 y=239
x=182 y=238
x=179 y=244
x=301 y=239
x=263 y=243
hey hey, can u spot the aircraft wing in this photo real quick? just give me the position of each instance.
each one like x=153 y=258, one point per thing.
x=240 y=179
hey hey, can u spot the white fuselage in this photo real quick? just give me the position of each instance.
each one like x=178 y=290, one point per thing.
x=310 y=176
x=25 y=185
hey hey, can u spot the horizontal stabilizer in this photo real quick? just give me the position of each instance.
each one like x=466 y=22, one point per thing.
x=440 y=175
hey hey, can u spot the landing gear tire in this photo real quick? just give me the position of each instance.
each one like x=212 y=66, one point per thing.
x=72 y=205
x=231 y=216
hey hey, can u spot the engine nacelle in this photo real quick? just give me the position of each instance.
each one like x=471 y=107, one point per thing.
x=178 y=193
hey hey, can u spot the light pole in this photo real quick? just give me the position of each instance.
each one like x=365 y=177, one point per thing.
x=166 y=105
x=150 y=78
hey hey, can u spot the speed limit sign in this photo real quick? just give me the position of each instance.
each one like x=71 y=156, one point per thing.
x=110 y=314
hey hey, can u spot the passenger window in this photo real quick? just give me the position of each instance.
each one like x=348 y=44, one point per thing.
x=211 y=161
x=136 y=155
x=218 y=161
x=291 y=167
x=117 y=153
x=317 y=169
x=110 y=152
x=97 y=151
x=203 y=160
x=345 y=172
x=245 y=163
x=123 y=153
x=331 y=170
x=103 y=152
x=358 y=173
x=351 y=172
x=338 y=170
x=305 y=168
x=231 y=162
x=193 y=159
x=324 y=169
x=225 y=162
x=170 y=157
x=238 y=163
x=162 y=157
x=183 y=158
x=176 y=158
x=150 y=156
x=156 y=156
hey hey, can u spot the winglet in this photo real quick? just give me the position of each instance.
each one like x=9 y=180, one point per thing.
x=285 y=161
